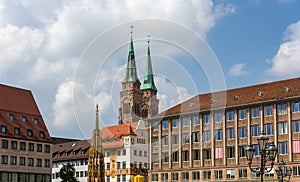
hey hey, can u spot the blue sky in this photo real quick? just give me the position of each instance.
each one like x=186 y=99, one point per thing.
x=45 y=45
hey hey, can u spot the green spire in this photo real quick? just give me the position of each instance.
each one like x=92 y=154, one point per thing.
x=148 y=77
x=131 y=73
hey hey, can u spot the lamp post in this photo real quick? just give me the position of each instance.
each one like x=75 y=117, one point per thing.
x=283 y=171
x=266 y=154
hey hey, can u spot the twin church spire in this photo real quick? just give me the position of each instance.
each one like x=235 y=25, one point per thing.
x=131 y=71
x=137 y=100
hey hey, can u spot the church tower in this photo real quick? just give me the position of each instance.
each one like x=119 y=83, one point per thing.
x=96 y=158
x=149 y=91
x=130 y=96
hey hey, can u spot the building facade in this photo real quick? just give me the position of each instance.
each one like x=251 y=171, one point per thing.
x=204 y=138
x=26 y=145
x=125 y=148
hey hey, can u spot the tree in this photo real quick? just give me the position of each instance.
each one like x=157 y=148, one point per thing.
x=67 y=173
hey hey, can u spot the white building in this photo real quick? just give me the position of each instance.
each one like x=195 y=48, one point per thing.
x=125 y=148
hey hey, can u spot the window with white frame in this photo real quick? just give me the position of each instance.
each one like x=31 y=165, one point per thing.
x=175 y=139
x=243 y=173
x=255 y=131
x=185 y=122
x=281 y=109
x=268 y=110
x=296 y=126
x=206 y=135
x=255 y=112
x=230 y=174
x=242 y=151
x=242 y=132
x=165 y=157
x=206 y=175
x=185 y=155
x=154 y=177
x=196 y=120
x=175 y=156
x=230 y=116
x=196 y=136
x=165 y=140
x=218 y=117
x=230 y=151
x=254 y=175
x=185 y=138
x=282 y=148
x=196 y=154
x=268 y=128
x=165 y=124
x=206 y=118
x=196 y=175
x=218 y=174
x=282 y=128
x=154 y=157
x=296 y=170
x=164 y=176
x=219 y=134
x=242 y=114
x=185 y=176
x=155 y=126
x=230 y=133
x=154 y=141
x=174 y=123
x=295 y=106
x=174 y=176
x=206 y=154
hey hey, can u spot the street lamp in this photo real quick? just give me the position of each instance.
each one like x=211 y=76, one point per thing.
x=283 y=171
x=266 y=154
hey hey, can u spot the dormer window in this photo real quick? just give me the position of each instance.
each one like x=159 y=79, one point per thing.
x=42 y=134
x=36 y=121
x=24 y=119
x=11 y=117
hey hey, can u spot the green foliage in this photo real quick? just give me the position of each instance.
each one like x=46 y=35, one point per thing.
x=67 y=173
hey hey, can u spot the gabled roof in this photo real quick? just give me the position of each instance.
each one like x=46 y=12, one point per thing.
x=20 y=104
x=266 y=92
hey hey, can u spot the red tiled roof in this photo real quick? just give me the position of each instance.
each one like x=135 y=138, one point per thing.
x=113 y=136
x=236 y=97
x=20 y=103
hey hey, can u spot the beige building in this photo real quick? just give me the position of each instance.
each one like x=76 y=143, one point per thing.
x=25 y=141
x=204 y=138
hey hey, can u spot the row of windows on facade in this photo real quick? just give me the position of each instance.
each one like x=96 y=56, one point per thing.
x=17 y=131
x=119 y=178
x=23 y=146
x=22 y=161
x=28 y=177
x=230 y=174
x=230 y=133
x=218 y=116
x=76 y=163
x=218 y=152
x=123 y=152
x=122 y=165
x=78 y=174
x=23 y=118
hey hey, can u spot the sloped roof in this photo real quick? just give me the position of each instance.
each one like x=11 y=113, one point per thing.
x=20 y=103
x=278 y=90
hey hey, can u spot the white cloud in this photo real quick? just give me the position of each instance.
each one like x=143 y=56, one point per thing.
x=18 y=45
x=46 y=39
x=238 y=70
x=286 y=61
